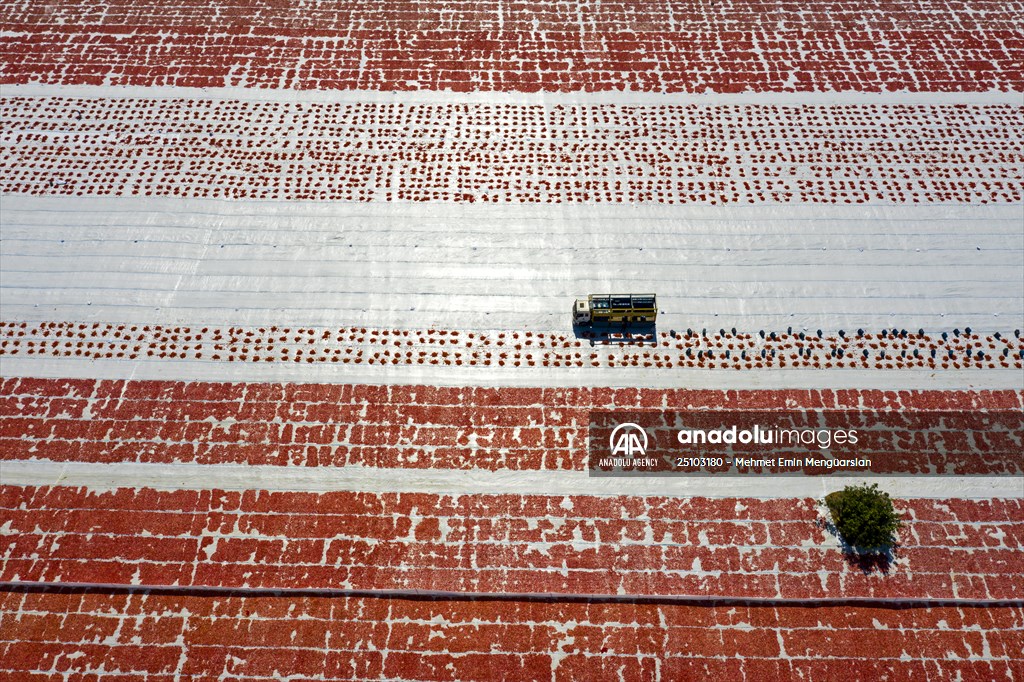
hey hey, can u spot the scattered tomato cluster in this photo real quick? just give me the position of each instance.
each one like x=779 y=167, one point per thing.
x=718 y=349
x=512 y=153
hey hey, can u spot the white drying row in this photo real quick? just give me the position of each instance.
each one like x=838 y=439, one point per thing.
x=336 y=265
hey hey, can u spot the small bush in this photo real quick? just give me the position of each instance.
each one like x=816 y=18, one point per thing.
x=864 y=516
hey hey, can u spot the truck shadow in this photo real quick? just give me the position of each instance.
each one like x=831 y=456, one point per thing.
x=632 y=333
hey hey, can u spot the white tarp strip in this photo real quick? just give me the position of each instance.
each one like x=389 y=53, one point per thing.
x=477 y=482
x=520 y=98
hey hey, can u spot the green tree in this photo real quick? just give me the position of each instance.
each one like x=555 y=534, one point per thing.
x=864 y=516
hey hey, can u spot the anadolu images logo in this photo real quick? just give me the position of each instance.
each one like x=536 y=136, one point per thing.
x=628 y=440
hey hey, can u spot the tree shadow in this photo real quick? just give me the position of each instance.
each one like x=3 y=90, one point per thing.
x=867 y=560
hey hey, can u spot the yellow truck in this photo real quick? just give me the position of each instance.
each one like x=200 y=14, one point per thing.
x=615 y=309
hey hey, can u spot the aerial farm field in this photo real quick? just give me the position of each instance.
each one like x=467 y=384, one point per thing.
x=290 y=387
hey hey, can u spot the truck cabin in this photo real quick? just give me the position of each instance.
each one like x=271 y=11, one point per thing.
x=581 y=312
